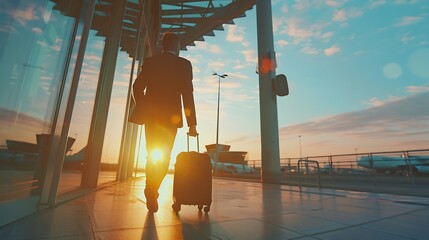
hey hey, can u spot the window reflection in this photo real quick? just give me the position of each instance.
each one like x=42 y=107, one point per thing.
x=34 y=42
x=112 y=140
x=82 y=113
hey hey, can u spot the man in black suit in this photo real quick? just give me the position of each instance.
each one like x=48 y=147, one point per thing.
x=167 y=79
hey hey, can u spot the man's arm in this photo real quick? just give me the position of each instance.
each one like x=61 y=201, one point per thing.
x=188 y=100
x=140 y=83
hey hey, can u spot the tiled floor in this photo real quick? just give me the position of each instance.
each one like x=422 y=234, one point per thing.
x=240 y=210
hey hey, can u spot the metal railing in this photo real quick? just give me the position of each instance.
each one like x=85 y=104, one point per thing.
x=307 y=170
x=342 y=171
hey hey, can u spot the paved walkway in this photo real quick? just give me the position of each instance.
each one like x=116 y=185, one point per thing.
x=240 y=210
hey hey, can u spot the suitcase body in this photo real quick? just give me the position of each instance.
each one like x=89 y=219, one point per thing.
x=192 y=183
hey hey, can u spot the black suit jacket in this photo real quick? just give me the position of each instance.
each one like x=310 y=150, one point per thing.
x=167 y=79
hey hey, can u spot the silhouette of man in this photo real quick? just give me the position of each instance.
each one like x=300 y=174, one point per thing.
x=167 y=79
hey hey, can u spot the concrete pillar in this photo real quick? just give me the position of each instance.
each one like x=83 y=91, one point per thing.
x=267 y=98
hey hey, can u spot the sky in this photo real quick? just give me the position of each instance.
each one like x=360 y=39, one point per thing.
x=358 y=74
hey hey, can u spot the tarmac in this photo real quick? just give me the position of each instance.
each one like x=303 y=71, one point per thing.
x=240 y=210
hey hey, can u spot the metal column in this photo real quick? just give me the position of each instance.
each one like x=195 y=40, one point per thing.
x=267 y=98
x=103 y=96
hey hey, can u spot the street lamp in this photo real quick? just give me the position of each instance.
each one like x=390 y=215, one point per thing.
x=300 y=149
x=217 y=121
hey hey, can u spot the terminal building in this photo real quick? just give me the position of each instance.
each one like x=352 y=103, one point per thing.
x=65 y=66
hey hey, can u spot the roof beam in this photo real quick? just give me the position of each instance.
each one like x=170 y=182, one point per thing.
x=224 y=15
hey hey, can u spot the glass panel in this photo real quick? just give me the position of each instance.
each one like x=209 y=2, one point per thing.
x=35 y=38
x=140 y=154
x=81 y=120
x=112 y=140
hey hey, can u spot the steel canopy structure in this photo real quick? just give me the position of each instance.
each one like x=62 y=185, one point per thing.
x=191 y=19
x=194 y=19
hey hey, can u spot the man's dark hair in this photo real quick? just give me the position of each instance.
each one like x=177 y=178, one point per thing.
x=169 y=41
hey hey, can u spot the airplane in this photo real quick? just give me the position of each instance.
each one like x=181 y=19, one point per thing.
x=232 y=168
x=418 y=164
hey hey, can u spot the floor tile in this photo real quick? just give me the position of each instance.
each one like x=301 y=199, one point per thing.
x=359 y=233
x=239 y=210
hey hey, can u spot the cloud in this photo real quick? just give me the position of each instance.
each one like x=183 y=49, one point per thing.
x=193 y=58
x=294 y=30
x=331 y=50
x=332 y=3
x=23 y=16
x=395 y=124
x=339 y=16
x=24 y=125
x=406 y=38
x=395 y=111
x=343 y=15
x=309 y=50
x=230 y=85
x=302 y=5
x=408 y=20
x=216 y=64
x=375 y=102
x=403 y=119
x=37 y=30
x=377 y=3
x=327 y=35
x=236 y=34
x=401 y=2
x=237 y=76
x=249 y=56
x=282 y=43
x=213 y=48
x=301 y=32
x=277 y=22
x=417 y=89
x=93 y=57
x=240 y=66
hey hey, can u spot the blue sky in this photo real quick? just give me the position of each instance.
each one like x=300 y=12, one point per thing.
x=358 y=74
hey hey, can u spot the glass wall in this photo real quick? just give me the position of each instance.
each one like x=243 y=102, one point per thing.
x=83 y=109
x=35 y=38
x=112 y=140
x=82 y=113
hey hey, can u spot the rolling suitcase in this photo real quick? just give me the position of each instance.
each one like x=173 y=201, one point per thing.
x=192 y=184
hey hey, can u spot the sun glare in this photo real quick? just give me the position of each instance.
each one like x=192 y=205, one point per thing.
x=156 y=155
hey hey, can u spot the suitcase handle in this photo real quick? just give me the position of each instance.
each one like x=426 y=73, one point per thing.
x=198 y=141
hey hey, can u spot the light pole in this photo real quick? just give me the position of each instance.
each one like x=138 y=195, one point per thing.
x=217 y=121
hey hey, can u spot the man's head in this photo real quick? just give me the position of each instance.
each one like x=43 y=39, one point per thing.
x=171 y=42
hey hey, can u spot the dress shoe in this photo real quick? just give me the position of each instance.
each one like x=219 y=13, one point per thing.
x=151 y=200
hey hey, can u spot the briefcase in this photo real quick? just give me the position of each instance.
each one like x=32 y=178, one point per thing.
x=192 y=183
x=138 y=113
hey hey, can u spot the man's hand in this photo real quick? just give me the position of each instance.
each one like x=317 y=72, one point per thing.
x=193 y=131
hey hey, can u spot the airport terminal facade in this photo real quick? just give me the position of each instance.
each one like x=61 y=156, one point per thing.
x=67 y=67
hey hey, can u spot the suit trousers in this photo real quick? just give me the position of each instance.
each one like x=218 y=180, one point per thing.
x=159 y=143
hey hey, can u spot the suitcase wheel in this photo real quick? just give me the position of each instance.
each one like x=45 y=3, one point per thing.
x=206 y=209
x=176 y=207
